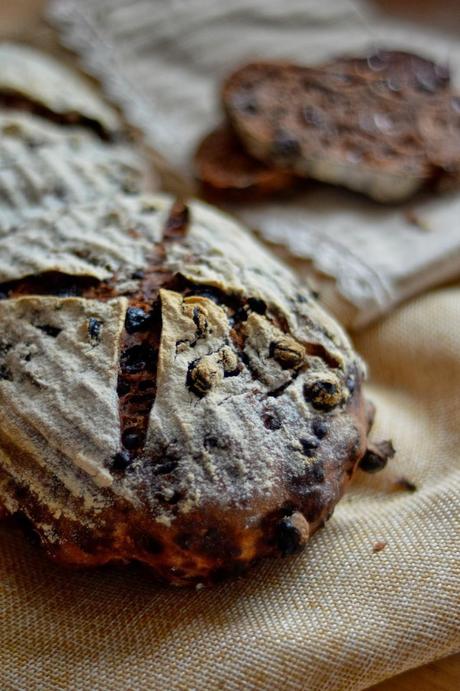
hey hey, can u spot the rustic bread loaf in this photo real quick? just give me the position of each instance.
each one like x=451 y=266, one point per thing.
x=44 y=165
x=168 y=393
x=60 y=143
x=386 y=125
x=30 y=79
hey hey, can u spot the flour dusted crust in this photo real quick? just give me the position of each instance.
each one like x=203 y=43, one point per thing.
x=44 y=166
x=52 y=88
x=168 y=393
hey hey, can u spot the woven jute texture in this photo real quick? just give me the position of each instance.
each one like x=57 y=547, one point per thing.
x=338 y=616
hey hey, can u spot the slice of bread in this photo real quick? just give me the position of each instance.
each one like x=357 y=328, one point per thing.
x=224 y=168
x=385 y=125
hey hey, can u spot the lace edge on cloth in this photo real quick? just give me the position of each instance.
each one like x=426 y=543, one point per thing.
x=361 y=285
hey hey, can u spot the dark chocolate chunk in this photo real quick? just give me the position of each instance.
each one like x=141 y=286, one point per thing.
x=137 y=320
x=52 y=331
x=94 y=329
x=138 y=358
x=309 y=445
x=132 y=438
x=319 y=428
x=257 y=305
x=121 y=461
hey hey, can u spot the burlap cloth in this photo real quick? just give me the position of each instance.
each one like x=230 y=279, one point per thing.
x=339 y=616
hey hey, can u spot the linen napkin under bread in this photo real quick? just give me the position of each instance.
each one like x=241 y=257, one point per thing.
x=375 y=593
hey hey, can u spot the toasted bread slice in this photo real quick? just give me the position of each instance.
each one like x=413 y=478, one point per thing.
x=386 y=125
x=224 y=168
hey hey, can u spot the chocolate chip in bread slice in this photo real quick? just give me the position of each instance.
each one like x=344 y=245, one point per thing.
x=386 y=125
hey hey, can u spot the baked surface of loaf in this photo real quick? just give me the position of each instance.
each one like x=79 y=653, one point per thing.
x=33 y=80
x=60 y=143
x=167 y=392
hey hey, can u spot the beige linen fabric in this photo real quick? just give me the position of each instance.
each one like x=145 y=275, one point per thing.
x=338 y=616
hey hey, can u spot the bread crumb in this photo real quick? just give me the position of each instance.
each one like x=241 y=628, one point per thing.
x=404 y=485
x=379 y=546
x=414 y=219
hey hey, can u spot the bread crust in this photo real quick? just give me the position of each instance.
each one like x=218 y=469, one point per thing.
x=31 y=80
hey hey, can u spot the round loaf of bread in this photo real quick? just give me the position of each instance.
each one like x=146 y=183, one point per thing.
x=168 y=392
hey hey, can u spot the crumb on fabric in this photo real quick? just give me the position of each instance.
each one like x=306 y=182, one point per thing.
x=402 y=484
x=414 y=219
x=379 y=546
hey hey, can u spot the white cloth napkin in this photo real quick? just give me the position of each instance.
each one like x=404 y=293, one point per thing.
x=162 y=62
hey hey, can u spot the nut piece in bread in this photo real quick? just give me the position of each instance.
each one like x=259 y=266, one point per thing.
x=386 y=125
